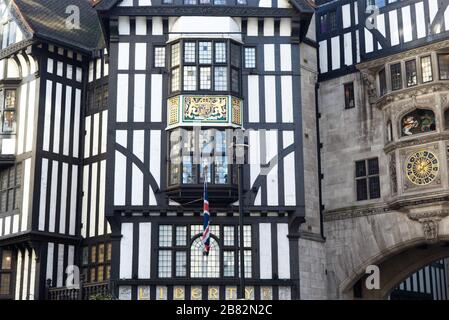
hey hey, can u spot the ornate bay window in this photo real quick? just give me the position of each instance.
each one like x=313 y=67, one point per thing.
x=205 y=66
x=196 y=155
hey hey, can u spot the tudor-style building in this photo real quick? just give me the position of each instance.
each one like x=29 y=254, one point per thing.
x=185 y=78
x=46 y=87
x=101 y=123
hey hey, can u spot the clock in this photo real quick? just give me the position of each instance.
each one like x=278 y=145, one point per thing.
x=422 y=167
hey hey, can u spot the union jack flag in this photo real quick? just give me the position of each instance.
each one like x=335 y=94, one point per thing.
x=206 y=223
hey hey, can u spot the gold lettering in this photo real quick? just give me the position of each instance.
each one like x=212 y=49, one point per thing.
x=196 y=294
x=213 y=293
x=232 y=292
x=249 y=293
x=179 y=293
x=266 y=293
x=161 y=293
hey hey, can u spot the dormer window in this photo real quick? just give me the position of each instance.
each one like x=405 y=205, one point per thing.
x=8 y=33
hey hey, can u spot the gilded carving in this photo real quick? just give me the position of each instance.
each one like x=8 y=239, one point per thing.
x=173 y=111
x=236 y=111
x=209 y=109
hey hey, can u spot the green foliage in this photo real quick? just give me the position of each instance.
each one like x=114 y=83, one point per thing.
x=101 y=297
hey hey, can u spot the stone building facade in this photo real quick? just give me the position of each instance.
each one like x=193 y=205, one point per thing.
x=383 y=101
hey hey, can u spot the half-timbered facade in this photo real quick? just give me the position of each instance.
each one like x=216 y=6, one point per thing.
x=207 y=76
x=99 y=144
x=44 y=76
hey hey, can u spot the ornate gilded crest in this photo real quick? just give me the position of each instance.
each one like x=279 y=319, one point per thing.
x=209 y=109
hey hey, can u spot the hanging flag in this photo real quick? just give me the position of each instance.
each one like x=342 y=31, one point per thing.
x=206 y=223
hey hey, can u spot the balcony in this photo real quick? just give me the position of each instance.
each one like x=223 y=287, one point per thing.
x=93 y=291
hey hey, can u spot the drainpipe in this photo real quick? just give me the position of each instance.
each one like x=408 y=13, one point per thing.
x=320 y=175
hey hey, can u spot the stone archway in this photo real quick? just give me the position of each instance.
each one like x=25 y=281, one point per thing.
x=400 y=266
x=394 y=242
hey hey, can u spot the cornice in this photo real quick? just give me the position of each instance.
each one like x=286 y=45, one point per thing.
x=419 y=140
x=374 y=64
x=411 y=93
x=234 y=11
x=386 y=207
x=15 y=48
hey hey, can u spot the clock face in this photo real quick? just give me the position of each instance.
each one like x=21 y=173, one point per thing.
x=422 y=168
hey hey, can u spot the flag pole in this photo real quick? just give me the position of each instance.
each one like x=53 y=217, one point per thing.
x=241 y=242
x=205 y=239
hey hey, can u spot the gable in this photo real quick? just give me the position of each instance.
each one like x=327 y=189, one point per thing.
x=12 y=29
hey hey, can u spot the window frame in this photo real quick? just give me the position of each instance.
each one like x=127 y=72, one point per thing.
x=406 y=63
x=3 y=109
x=421 y=68
x=347 y=105
x=245 y=57
x=199 y=65
x=191 y=236
x=96 y=264
x=155 y=57
x=8 y=272
x=15 y=188
x=439 y=66
x=214 y=155
x=367 y=178
x=398 y=75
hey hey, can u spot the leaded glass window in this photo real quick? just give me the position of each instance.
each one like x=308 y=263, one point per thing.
x=165 y=236
x=159 y=57
x=229 y=236
x=250 y=58
x=8 y=110
x=10 y=188
x=201 y=266
x=165 y=264
x=175 y=78
x=205 y=52
x=181 y=236
x=189 y=52
x=212 y=150
x=411 y=74
x=221 y=78
x=220 y=52
x=443 y=64
x=175 y=52
x=190 y=78
x=426 y=69
x=229 y=263
x=181 y=264
x=205 y=78
x=396 y=76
